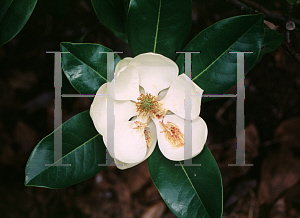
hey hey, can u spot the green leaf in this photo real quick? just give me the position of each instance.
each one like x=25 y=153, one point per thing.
x=159 y=26
x=122 y=36
x=272 y=40
x=84 y=66
x=214 y=70
x=189 y=191
x=82 y=147
x=13 y=16
x=112 y=13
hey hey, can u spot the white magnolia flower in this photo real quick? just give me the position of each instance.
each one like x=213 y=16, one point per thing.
x=148 y=106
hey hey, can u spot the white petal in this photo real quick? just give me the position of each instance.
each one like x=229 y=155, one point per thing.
x=199 y=136
x=129 y=144
x=122 y=165
x=126 y=85
x=174 y=100
x=124 y=110
x=122 y=64
x=156 y=71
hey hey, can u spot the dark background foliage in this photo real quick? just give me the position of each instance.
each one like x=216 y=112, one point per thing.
x=270 y=188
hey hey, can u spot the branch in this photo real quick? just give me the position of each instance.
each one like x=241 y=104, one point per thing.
x=274 y=18
x=291 y=51
x=263 y=10
x=290 y=25
x=242 y=6
x=247 y=5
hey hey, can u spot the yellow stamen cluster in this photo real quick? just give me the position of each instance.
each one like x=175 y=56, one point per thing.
x=148 y=106
x=172 y=134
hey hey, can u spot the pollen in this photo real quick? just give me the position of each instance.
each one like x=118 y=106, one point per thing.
x=148 y=106
x=172 y=134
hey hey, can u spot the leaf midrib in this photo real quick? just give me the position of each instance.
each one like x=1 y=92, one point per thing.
x=157 y=24
x=192 y=186
x=222 y=54
x=6 y=11
x=85 y=63
x=47 y=168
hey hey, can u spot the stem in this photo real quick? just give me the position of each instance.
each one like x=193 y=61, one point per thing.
x=247 y=5
x=291 y=52
x=242 y=6
x=289 y=8
x=252 y=7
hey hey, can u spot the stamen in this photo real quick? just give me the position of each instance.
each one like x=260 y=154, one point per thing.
x=159 y=112
x=172 y=134
x=140 y=126
x=148 y=136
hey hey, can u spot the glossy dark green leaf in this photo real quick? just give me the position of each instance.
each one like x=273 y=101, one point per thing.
x=82 y=147
x=214 y=70
x=84 y=66
x=272 y=40
x=189 y=191
x=13 y=16
x=112 y=13
x=159 y=26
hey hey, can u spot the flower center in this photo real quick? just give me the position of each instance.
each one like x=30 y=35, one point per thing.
x=172 y=134
x=146 y=103
x=148 y=106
